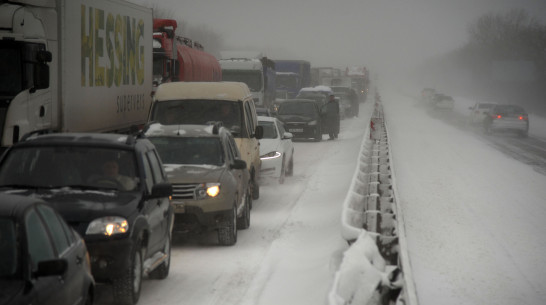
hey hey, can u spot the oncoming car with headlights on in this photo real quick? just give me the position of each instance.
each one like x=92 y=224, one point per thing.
x=276 y=149
x=211 y=183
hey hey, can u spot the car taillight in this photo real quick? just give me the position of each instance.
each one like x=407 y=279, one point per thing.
x=497 y=116
x=523 y=117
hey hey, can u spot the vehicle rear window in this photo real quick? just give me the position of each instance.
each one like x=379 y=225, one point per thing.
x=189 y=150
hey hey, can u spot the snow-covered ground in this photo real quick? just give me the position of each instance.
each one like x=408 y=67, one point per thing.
x=474 y=216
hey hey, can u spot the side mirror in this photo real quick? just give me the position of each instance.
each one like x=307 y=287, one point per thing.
x=51 y=267
x=238 y=164
x=161 y=190
x=287 y=136
x=259 y=132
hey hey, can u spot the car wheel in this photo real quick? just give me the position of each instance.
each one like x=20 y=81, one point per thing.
x=290 y=171
x=318 y=134
x=283 y=172
x=227 y=233
x=162 y=271
x=255 y=188
x=243 y=223
x=127 y=287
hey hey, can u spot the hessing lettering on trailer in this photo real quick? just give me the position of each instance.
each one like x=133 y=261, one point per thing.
x=117 y=40
x=130 y=102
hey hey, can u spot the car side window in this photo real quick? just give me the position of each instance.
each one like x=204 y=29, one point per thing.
x=233 y=152
x=149 y=179
x=248 y=118
x=156 y=166
x=58 y=234
x=39 y=245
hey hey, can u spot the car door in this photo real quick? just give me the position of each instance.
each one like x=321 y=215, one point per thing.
x=47 y=289
x=70 y=248
x=157 y=209
x=233 y=153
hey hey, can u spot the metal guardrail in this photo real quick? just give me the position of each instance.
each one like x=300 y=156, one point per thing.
x=372 y=213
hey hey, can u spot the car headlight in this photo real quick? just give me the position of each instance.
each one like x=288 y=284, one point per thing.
x=312 y=123
x=108 y=226
x=205 y=190
x=271 y=155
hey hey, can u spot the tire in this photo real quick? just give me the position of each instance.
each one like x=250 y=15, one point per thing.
x=227 y=233
x=255 y=188
x=127 y=287
x=243 y=223
x=283 y=172
x=290 y=171
x=162 y=271
x=318 y=134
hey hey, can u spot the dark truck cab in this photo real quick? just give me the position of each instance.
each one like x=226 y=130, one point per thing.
x=126 y=225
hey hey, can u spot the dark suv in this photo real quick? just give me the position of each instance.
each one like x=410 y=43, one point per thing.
x=112 y=189
x=211 y=184
x=302 y=118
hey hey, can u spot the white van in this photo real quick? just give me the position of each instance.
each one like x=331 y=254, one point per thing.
x=209 y=102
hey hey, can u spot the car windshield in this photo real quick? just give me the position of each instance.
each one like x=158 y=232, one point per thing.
x=8 y=249
x=253 y=78
x=189 y=150
x=199 y=112
x=75 y=166
x=303 y=109
x=270 y=132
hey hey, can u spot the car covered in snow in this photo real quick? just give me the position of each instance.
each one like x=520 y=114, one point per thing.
x=478 y=112
x=276 y=149
x=507 y=118
x=211 y=182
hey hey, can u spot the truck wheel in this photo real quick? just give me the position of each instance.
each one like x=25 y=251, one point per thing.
x=127 y=287
x=227 y=233
x=243 y=223
x=162 y=271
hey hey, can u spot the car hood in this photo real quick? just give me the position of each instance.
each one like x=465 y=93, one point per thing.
x=182 y=173
x=11 y=291
x=288 y=118
x=80 y=206
x=269 y=145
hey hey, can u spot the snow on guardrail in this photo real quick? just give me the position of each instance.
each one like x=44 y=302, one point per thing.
x=376 y=267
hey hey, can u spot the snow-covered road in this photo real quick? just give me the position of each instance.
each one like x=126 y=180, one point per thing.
x=474 y=216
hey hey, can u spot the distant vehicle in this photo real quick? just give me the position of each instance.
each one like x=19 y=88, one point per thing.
x=292 y=75
x=263 y=111
x=42 y=259
x=442 y=102
x=210 y=180
x=349 y=101
x=302 y=118
x=427 y=94
x=112 y=189
x=276 y=150
x=478 y=112
x=507 y=118
x=179 y=58
x=318 y=97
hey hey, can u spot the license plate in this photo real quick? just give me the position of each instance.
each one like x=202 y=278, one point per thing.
x=296 y=130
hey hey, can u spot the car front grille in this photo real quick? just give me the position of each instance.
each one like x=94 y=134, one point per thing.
x=184 y=191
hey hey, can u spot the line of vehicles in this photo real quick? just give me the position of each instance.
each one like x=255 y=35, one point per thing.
x=97 y=102
x=492 y=117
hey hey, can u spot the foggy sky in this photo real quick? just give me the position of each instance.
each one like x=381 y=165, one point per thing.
x=385 y=35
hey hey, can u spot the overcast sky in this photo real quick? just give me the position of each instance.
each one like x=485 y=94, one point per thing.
x=385 y=35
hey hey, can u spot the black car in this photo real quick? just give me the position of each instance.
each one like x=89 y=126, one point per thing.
x=302 y=118
x=112 y=189
x=42 y=259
